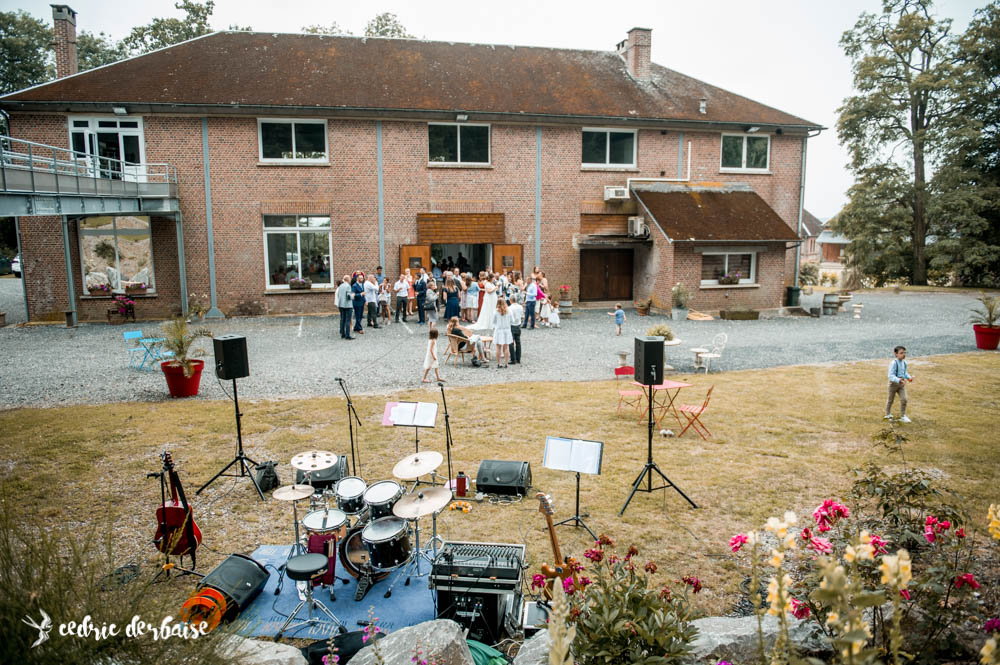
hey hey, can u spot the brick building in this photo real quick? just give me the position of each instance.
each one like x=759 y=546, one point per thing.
x=315 y=155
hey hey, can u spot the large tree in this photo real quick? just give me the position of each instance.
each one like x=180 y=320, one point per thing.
x=911 y=88
x=161 y=32
x=25 y=55
x=96 y=50
x=385 y=24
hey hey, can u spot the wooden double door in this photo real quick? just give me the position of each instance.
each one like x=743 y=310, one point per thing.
x=606 y=274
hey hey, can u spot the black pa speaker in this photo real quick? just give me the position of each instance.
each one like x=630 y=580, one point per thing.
x=325 y=478
x=503 y=477
x=231 y=357
x=240 y=579
x=649 y=360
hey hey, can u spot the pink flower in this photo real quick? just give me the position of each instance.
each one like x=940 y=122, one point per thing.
x=929 y=533
x=904 y=593
x=585 y=581
x=960 y=532
x=737 y=541
x=665 y=593
x=612 y=558
x=693 y=582
x=650 y=567
x=827 y=514
x=992 y=626
x=569 y=586
x=943 y=525
x=594 y=555
x=878 y=544
x=799 y=609
x=962 y=580
x=807 y=534
x=537 y=581
x=930 y=521
x=820 y=545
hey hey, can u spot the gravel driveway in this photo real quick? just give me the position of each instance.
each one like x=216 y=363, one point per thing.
x=12 y=299
x=301 y=356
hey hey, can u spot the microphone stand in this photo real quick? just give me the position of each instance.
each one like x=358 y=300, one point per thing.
x=352 y=417
x=447 y=438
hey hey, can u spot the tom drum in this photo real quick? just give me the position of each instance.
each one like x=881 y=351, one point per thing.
x=381 y=497
x=388 y=542
x=351 y=495
x=326 y=521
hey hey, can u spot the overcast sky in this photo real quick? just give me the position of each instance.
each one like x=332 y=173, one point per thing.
x=783 y=53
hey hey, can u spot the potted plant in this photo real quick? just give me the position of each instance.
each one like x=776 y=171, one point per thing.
x=565 y=302
x=183 y=370
x=642 y=306
x=740 y=314
x=984 y=322
x=136 y=288
x=300 y=283
x=682 y=296
x=730 y=278
x=99 y=290
x=124 y=308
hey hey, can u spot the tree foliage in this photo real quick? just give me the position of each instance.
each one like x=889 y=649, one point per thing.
x=911 y=95
x=163 y=32
x=97 y=50
x=332 y=29
x=25 y=55
x=386 y=24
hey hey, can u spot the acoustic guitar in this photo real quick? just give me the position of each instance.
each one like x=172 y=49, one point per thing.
x=176 y=531
x=565 y=567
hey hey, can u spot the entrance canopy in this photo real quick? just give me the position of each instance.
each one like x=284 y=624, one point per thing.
x=711 y=212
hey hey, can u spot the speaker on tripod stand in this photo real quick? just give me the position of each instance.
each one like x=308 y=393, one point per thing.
x=231 y=363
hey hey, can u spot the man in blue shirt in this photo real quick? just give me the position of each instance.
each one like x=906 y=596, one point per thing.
x=379 y=276
x=530 y=298
x=898 y=378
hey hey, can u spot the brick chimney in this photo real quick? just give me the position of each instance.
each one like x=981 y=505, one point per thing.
x=636 y=52
x=64 y=29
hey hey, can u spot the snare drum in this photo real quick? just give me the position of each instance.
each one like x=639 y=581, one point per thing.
x=326 y=521
x=381 y=497
x=388 y=542
x=350 y=495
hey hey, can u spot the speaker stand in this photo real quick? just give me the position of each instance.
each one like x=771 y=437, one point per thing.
x=650 y=467
x=241 y=458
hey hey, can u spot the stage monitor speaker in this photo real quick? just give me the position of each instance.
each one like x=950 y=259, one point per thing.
x=231 y=357
x=649 y=360
x=325 y=478
x=503 y=477
x=239 y=578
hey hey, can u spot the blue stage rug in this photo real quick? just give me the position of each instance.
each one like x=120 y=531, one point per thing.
x=408 y=605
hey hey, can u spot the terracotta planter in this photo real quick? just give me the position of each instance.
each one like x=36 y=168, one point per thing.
x=180 y=385
x=135 y=292
x=987 y=338
x=98 y=293
x=642 y=310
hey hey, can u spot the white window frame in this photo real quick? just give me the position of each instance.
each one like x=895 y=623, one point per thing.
x=297 y=230
x=325 y=159
x=114 y=232
x=137 y=174
x=752 y=279
x=606 y=164
x=458 y=138
x=743 y=161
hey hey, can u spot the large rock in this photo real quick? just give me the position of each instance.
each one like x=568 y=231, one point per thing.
x=725 y=638
x=442 y=638
x=535 y=650
x=257 y=652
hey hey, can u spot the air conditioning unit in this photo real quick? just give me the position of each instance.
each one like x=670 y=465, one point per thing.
x=615 y=193
x=637 y=228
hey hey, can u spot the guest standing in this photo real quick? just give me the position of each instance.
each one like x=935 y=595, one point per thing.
x=401 y=288
x=530 y=296
x=420 y=289
x=343 y=296
x=516 y=314
x=451 y=305
x=431 y=359
x=502 y=336
x=383 y=301
x=432 y=302
x=371 y=301
x=358 y=300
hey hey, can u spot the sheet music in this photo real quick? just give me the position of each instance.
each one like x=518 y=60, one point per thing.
x=414 y=414
x=402 y=413
x=426 y=414
x=578 y=455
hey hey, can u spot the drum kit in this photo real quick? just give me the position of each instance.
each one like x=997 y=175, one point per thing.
x=370 y=528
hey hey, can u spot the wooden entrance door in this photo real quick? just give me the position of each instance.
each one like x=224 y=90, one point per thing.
x=414 y=257
x=509 y=257
x=606 y=274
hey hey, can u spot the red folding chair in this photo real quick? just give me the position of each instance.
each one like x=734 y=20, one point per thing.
x=693 y=415
x=626 y=371
x=631 y=398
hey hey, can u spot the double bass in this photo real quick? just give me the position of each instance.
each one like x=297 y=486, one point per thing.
x=176 y=531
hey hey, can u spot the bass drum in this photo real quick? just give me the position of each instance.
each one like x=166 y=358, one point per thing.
x=354 y=554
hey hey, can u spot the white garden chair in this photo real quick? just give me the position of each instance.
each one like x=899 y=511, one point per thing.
x=718 y=346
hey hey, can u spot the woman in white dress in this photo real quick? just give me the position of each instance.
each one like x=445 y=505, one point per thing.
x=502 y=335
x=485 y=320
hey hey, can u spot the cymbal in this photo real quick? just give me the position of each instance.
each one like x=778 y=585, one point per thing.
x=293 y=492
x=314 y=460
x=425 y=502
x=413 y=466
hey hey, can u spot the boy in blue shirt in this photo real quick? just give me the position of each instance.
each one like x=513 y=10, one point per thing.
x=898 y=378
x=619 y=315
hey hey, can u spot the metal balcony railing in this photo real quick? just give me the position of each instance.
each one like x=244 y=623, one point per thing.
x=27 y=167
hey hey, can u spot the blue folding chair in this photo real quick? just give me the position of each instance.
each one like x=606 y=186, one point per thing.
x=133 y=347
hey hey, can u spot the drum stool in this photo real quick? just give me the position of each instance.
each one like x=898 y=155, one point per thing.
x=305 y=568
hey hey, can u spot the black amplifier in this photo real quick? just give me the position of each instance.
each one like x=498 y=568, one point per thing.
x=489 y=567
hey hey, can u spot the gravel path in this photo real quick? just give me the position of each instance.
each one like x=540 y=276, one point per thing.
x=12 y=299
x=301 y=356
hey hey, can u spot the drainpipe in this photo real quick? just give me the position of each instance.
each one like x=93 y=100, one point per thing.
x=538 y=196
x=802 y=197
x=213 y=312
x=20 y=253
x=381 y=198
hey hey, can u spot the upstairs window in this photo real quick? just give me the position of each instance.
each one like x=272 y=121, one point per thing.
x=746 y=152
x=451 y=143
x=283 y=141
x=608 y=147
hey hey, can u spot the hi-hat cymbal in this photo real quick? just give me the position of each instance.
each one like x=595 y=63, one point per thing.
x=293 y=492
x=413 y=466
x=314 y=460
x=425 y=502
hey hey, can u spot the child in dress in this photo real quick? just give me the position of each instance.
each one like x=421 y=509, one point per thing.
x=544 y=307
x=554 y=314
x=431 y=359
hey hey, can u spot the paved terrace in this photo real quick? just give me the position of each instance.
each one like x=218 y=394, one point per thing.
x=301 y=356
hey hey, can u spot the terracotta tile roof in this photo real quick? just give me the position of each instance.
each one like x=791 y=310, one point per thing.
x=712 y=212
x=351 y=74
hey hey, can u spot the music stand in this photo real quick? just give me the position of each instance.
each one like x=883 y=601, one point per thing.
x=411 y=414
x=579 y=456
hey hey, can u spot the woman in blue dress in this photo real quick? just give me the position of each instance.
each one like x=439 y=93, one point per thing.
x=451 y=305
